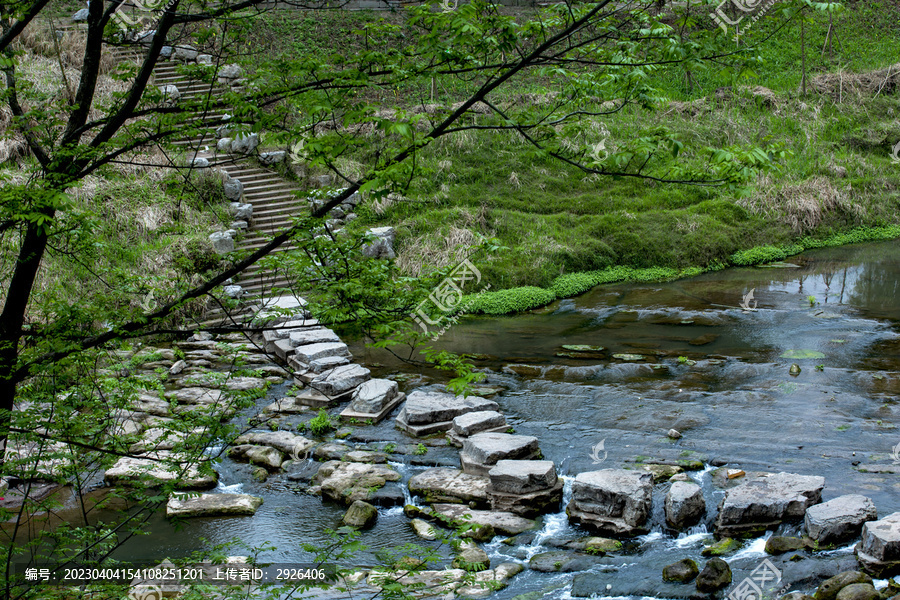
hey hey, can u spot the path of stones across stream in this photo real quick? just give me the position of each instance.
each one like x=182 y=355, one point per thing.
x=680 y=355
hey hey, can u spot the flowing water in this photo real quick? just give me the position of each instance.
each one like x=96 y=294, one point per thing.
x=717 y=373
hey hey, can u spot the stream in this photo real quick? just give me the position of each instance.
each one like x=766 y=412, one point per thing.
x=715 y=372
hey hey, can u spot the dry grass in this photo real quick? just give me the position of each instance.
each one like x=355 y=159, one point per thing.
x=438 y=249
x=801 y=206
x=842 y=86
x=38 y=39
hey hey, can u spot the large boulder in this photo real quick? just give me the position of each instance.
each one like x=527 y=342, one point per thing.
x=685 y=505
x=212 y=505
x=347 y=482
x=382 y=244
x=714 y=576
x=185 y=54
x=839 y=519
x=234 y=191
x=612 y=501
x=767 y=500
x=360 y=515
x=683 y=571
x=503 y=523
x=832 y=586
x=879 y=550
x=525 y=487
x=425 y=413
x=81 y=16
x=311 y=352
x=221 y=242
x=443 y=484
x=158 y=468
x=262 y=456
x=289 y=443
x=482 y=451
x=859 y=591
x=245 y=143
x=471 y=557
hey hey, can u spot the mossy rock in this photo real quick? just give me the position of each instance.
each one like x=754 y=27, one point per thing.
x=721 y=547
x=802 y=354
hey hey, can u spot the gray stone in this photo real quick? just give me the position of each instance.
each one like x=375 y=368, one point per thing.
x=832 y=586
x=443 y=484
x=879 y=550
x=685 y=505
x=198 y=162
x=212 y=505
x=765 y=501
x=714 y=576
x=839 y=519
x=233 y=291
x=170 y=93
x=482 y=450
x=81 y=16
x=223 y=146
x=263 y=456
x=272 y=158
x=522 y=476
x=347 y=482
x=150 y=404
x=234 y=191
x=365 y=456
x=317 y=335
x=683 y=571
x=471 y=557
x=231 y=71
x=307 y=354
x=195 y=395
x=320 y=365
x=612 y=501
x=423 y=408
x=503 y=523
x=178 y=367
x=291 y=444
x=243 y=210
x=185 y=53
x=225 y=131
x=423 y=529
x=204 y=59
x=340 y=380
x=186 y=476
x=245 y=143
x=373 y=395
x=221 y=242
x=360 y=515
x=559 y=561
x=382 y=246
x=478 y=421
x=166 y=52
x=239 y=225
x=859 y=591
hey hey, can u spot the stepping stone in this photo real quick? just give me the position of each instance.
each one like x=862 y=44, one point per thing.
x=289 y=443
x=444 y=484
x=307 y=354
x=504 y=523
x=212 y=505
x=263 y=456
x=319 y=335
x=879 y=550
x=839 y=519
x=347 y=482
x=373 y=400
x=480 y=421
x=612 y=501
x=282 y=348
x=284 y=330
x=767 y=500
x=340 y=380
x=525 y=487
x=195 y=395
x=287 y=406
x=685 y=505
x=482 y=451
x=425 y=413
x=129 y=470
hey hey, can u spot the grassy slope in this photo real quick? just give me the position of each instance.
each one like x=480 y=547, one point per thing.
x=556 y=221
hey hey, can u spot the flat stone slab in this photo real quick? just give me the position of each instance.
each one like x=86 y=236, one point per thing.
x=613 y=501
x=319 y=335
x=212 y=505
x=195 y=395
x=766 y=501
x=879 y=550
x=477 y=422
x=482 y=451
x=529 y=504
x=839 y=519
x=340 y=380
x=348 y=413
x=444 y=484
x=504 y=523
x=522 y=476
x=373 y=395
x=311 y=352
x=287 y=406
x=423 y=408
x=684 y=504
x=130 y=470
x=347 y=482
x=295 y=446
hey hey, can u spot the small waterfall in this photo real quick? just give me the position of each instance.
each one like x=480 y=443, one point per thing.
x=755 y=549
x=405 y=473
x=692 y=537
x=553 y=524
x=234 y=488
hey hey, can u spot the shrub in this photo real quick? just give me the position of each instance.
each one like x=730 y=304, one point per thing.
x=321 y=423
x=510 y=301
